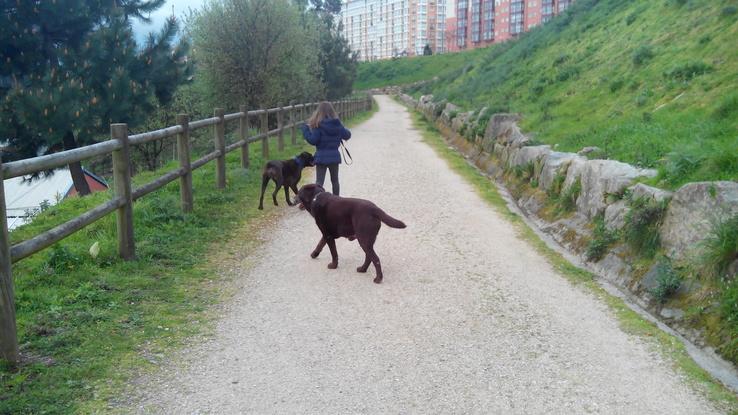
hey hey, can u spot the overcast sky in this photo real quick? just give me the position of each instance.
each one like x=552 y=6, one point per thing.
x=180 y=7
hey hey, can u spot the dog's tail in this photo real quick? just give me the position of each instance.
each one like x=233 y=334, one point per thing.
x=389 y=220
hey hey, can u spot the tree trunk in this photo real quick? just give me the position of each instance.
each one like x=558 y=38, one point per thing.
x=78 y=176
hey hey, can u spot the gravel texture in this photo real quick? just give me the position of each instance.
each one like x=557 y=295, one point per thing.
x=469 y=318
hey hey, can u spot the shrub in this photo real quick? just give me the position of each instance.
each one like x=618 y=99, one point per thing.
x=602 y=239
x=616 y=85
x=728 y=107
x=642 y=223
x=668 y=281
x=631 y=19
x=62 y=259
x=729 y=11
x=679 y=165
x=556 y=185
x=642 y=54
x=721 y=247
x=567 y=73
x=688 y=71
x=567 y=200
x=729 y=304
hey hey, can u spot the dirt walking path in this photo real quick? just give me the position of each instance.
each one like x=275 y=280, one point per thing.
x=469 y=319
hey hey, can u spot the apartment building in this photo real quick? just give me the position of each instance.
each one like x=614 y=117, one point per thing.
x=382 y=29
x=483 y=22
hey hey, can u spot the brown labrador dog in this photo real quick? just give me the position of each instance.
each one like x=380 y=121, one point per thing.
x=349 y=218
x=284 y=173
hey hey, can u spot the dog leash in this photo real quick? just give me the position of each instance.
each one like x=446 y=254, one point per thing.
x=346 y=159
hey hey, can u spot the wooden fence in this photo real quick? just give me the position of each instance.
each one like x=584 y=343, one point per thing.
x=287 y=118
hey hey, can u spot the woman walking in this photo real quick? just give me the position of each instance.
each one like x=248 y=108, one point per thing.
x=325 y=131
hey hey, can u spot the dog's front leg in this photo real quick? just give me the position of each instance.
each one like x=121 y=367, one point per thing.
x=287 y=195
x=334 y=254
x=318 y=248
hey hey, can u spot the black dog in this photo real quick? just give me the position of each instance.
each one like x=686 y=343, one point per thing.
x=285 y=173
x=346 y=217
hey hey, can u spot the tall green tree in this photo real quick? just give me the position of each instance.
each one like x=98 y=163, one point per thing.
x=255 y=52
x=338 y=63
x=69 y=68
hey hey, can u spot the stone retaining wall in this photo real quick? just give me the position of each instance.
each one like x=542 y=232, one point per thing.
x=690 y=211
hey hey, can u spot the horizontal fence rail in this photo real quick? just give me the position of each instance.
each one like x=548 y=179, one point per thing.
x=287 y=119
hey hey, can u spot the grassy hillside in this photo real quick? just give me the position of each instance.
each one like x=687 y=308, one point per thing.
x=651 y=83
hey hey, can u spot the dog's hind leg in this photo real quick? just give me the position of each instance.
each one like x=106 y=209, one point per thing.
x=287 y=195
x=367 y=244
x=264 y=183
x=334 y=254
x=318 y=248
x=276 y=190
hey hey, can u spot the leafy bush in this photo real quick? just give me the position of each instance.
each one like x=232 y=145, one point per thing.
x=62 y=259
x=616 y=85
x=668 y=281
x=642 y=223
x=642 y=54
x=631 y=19
x=556 y=185
x=567 y=200
x=678 y=165
x=602 y=239
x=729 y=11
x=688 y=71
x=728 y=107
x=567 y=73
x=721 y=247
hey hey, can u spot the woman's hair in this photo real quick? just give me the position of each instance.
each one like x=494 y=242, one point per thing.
x=325 y=110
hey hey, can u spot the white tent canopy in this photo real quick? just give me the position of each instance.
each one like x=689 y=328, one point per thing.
x=22 y=198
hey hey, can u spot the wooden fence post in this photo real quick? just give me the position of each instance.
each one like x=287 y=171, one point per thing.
x=122 y=184
x=243 y=132
x=264 y=124
x=293 y=121
x=219 y=139
x=8 y=330
x=280 y=127
x=183 y=154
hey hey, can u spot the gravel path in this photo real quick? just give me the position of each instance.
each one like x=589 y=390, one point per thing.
x=469 y=318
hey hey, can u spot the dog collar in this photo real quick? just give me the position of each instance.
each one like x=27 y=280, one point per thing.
x=316 y=197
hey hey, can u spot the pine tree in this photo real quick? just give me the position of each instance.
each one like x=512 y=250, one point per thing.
x=69 y=68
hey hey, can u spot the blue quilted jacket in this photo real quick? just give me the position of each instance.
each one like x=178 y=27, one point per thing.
x=326 y=138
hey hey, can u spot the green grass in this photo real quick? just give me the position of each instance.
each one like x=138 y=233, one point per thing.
x=657 y=90
x=721 y=247
x=87 y=324
x=602 y=239
x=630 y=322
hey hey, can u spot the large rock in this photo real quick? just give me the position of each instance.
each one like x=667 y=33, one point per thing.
x=555 y=163
x=602 y=177
x=642 y=191
x=692 y=212
x=449 y=112
x=615 y=215
x=461 y=120
x=425 y=105
x=504 y=128
x=574 y=171
x=531 y=154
